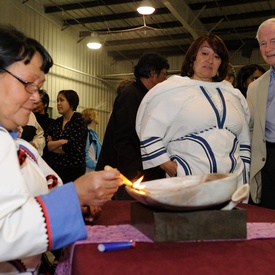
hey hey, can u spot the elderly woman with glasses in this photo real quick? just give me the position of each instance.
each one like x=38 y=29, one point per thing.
x=196 y=123
x=37 y=212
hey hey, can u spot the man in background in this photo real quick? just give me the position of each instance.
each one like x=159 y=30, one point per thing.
x=34 y=134
x=121 y=145
x=42 y=117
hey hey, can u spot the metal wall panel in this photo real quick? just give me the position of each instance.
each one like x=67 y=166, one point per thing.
x=76 y=67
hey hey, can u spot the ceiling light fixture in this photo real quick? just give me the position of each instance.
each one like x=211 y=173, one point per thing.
x=93 y=42
x=145 y=8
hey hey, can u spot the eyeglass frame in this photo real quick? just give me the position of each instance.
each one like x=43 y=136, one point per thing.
x=24 y=82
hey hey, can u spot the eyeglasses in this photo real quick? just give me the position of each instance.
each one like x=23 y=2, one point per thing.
x=30 y=87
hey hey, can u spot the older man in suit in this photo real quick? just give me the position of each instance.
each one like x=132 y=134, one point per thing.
x=261 y=101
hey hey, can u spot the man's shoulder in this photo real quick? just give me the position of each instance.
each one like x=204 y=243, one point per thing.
x=129 y=94
x=132 y=88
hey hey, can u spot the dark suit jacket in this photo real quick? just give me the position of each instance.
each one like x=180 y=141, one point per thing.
x=121 y=146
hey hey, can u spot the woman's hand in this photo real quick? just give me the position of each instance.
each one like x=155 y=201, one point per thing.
x=170 y=167
x=97 y=187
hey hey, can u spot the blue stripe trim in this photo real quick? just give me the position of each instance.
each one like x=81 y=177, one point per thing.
x=149 y=141
x=246 y=160
x=207 y=149
x=231 y=156
x=246 y=147
x=153 y=155
x=212 y=104
x=220 y=120
x=183 y=163
x=224 y=108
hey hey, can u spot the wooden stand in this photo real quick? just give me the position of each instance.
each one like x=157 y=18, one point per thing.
x=165 y=226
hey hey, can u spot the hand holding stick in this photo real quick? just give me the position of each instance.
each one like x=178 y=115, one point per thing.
x=122 y=177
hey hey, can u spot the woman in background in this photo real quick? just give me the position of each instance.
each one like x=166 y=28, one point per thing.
x=248 y=74
x=93 y=144
x=41 y=110
x=231 y=75
x=66 y=138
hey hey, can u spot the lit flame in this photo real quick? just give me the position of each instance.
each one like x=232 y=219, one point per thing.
x=138 y=186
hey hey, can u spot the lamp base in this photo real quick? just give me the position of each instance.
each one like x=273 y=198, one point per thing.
x=166 y=226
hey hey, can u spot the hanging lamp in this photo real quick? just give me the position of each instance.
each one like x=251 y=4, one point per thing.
x=94 y=42
x=146 y=8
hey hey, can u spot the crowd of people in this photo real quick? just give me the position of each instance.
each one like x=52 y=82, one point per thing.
x=205 y=120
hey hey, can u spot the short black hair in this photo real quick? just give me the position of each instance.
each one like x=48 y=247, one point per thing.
x=72 y=97
x=150 y=62
x=244 y=73
x=15 y=46
x=45 y=99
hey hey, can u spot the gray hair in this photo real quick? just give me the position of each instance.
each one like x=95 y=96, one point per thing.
x=266 y=22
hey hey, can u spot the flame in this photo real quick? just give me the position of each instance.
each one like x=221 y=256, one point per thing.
x=140 y=188
x=137 y=184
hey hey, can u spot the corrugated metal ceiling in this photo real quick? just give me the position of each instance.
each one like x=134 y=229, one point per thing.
x=169 y=30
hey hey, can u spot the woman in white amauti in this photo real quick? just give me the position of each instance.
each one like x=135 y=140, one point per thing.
x=37 y=212
x=196 y=123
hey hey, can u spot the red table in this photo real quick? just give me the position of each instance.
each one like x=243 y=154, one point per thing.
x=219 y=257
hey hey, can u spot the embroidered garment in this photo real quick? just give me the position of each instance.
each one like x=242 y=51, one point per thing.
x=202 y=126
x=32 y=219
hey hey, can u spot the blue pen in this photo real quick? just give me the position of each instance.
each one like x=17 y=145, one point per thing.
x=103 y=247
